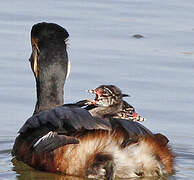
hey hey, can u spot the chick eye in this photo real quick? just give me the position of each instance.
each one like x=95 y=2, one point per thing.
x=104 y=91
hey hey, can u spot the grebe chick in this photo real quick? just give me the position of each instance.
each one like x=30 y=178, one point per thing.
x=109 y=103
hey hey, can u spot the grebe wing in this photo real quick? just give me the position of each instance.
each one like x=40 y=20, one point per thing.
x=130 y=127
x=65 y=119
x=132 y=131
x=52 y=129
x=52 y=141
x=136 y=130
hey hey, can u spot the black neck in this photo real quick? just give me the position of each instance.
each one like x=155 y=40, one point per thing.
x=49 y=62
x=51 y=79
x=49 y=95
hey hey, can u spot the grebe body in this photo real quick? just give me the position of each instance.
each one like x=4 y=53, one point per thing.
x=67 y=139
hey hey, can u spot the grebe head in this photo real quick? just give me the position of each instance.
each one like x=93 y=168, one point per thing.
x=107 y=95
x=49 y=63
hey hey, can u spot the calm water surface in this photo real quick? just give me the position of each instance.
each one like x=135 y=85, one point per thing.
x=157 y=70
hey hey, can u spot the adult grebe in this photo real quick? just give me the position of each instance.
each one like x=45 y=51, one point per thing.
x=109 y=103
x=67 y=139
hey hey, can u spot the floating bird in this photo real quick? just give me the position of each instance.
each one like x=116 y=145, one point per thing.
x=67 y=139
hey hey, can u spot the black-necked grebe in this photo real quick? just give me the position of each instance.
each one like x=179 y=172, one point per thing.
x=67 y=139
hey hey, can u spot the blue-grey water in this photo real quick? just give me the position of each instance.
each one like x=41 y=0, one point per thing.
x=157 y=70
